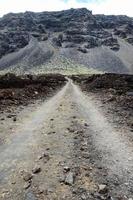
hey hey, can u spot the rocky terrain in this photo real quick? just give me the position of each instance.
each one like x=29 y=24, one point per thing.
x=115 y=91
x=44 y=42
x=23 y=90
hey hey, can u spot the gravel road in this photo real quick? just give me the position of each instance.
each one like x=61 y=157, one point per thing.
x=65 y=148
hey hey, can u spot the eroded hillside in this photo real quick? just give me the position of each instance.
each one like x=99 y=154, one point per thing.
x=43 y=42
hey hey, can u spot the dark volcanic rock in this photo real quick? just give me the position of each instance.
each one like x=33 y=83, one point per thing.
x=83 y=50
x=121 y=82
x=112 y=43
x=20 y=90
x=109 y=41
x=16 y=29
x=38 y=34
x=11 y=41
x=130 y=40
x=113 y=21
x=92 y=42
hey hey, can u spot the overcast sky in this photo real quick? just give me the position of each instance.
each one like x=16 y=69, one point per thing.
x=124 y=7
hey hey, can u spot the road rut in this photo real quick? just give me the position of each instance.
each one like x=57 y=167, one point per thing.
x=67 y=136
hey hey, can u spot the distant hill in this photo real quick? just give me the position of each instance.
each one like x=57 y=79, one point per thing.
x=70 y=41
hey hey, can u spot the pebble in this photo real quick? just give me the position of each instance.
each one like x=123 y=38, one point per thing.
x=44 y=155
x=85 y=124
x=36 y=170
x=102 y=188
x=126 y=184
x=11 y=115
x=62 y=179
x=82 y=148
x=66 y=169
x=27 y=185
x=69 y=180
x=36 y=92
x=50 y=190
x=14 y=119
x=83 y=197
x=2 y=119
x=13 y=182
x=74 y=117
x=27 y=176
x=41 y=190
x=53 y=132
x=71 y=130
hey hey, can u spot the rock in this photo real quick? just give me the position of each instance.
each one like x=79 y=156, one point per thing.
x=71 y=130
x=14 y=119
x=53 y=132
x=83 y=50
x=109 y=41
x=36 y=170
x=57 y=42
x=115 y=48
x=102 y=188
x=85 y=143
x=111 y=98
x=36 y=92
x=2 y=119
x=83 y=148
x=92 y=42
x=9 y=116
x=85 y=124
x=74 y=117
x=66 y=169
x=27 y=185
x=41 y=190
x=27 y=176
x=13 y=182
x=130 y=40
x=73 y=31
x=86 y=155
x=62 y=179
x=84 y=197
x=50 y=190
x=76 y=38
x=12 y=41
x=69 y=180
x=45 y=156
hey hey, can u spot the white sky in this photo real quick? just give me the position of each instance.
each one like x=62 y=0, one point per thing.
x=124 y=7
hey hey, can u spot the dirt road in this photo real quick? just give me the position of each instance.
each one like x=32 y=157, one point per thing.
x=65 y=148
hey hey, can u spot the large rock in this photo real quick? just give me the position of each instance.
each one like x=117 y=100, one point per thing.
x=12 y=40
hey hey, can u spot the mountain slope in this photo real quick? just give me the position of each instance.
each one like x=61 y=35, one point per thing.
x=48 y=41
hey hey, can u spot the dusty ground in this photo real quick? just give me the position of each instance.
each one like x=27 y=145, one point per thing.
x=70 y=146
